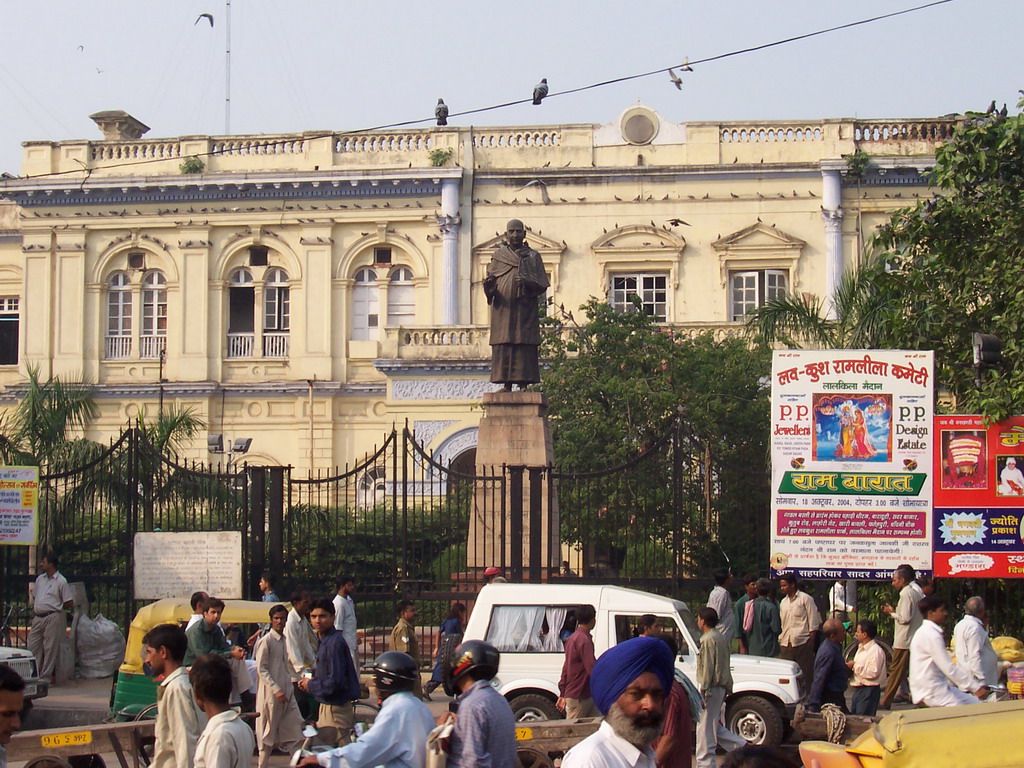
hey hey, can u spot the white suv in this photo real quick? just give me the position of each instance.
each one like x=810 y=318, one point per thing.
x=24 y=663
x=529 y=622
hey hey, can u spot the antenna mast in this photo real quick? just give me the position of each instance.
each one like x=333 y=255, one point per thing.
x=227 y=68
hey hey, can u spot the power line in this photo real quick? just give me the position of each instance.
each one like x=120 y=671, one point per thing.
x=504 y=105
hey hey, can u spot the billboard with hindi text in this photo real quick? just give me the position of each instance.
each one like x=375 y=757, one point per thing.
x=851 y=462
x=979 y=497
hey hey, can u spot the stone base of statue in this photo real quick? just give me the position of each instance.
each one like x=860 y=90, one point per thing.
x=514 y=523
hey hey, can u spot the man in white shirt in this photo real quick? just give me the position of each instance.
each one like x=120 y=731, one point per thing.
x=301 y=644
x=629 y=683
x=398 y=738
x=974 y=652
x=345 y=615
x=179 y=720
x=721 y=600
x=868 y=667
x=278 y=720
x=197 y=601
x=227 y=741
x=907 y=619
x=842 y=599
x=51 y=598
x=935 y=681
x=801 y=621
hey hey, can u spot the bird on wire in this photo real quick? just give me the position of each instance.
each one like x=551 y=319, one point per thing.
x=540 y=90
x=441 y=112
x=676 y=81
x=207 y=16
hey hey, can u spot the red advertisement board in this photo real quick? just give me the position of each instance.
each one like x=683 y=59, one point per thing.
x=978 y=524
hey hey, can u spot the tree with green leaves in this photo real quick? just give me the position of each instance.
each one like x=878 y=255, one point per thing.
x=954 y=262
x=617 y=384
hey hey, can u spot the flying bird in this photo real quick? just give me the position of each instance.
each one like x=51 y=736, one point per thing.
x=441 y=112
x=677 y=222
x=685 y=66
x=676 y=81
x=540 y=90
x=207 y=16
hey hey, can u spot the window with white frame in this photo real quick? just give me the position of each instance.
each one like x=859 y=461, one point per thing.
x=119 y=317
x=755 y=288
x=365 y=306
x=650 y=288
x=10 y=321
x=154 y=314
x=401 y=297
x=276 y=313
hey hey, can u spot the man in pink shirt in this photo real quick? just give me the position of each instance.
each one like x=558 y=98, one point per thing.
x=574 y=685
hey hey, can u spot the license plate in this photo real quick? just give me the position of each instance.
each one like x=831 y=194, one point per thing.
x=74 y=739
x=31 y=689
x=524 y=734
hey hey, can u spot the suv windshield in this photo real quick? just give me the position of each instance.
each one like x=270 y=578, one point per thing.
x=688 y=621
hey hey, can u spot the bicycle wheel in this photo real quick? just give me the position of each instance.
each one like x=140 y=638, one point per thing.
x=364 y=714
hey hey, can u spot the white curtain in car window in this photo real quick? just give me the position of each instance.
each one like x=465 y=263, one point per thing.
x=552 y=641
x=516 y=627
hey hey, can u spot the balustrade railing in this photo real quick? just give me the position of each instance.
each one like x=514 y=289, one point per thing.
x=118 y=347
x=241 y=344
x=383 y=142
x=150 y=347
x=755 y=134
x=135 y=150
x=275 y=344
x=517 y=138
x=904 y=130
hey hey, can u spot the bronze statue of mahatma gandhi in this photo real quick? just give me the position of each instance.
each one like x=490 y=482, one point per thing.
x=515 y=281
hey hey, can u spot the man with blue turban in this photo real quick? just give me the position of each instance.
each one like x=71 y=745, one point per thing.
x=629 y=684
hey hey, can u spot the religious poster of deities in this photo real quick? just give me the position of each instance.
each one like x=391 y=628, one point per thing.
x=979 y=497
x=851 y=462
x=19 y=505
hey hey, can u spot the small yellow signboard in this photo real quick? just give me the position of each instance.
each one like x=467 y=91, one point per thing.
x=71 y=739
x=524 y=734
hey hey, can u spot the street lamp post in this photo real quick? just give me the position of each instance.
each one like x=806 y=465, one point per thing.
x=215 y=444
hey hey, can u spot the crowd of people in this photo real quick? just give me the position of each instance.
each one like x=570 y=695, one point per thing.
x=920 y=671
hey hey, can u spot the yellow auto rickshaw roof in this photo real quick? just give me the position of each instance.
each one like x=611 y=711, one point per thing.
x=979 y=735
x=177 y=610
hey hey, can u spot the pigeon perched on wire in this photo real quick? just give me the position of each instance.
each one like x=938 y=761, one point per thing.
x=441 y=112
x=540 y=90
x=676 y=81
x=207 y=16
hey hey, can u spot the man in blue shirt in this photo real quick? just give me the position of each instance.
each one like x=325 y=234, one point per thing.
x=334 y=683
x=830 y=671
x=484 y=735
x=398 y=738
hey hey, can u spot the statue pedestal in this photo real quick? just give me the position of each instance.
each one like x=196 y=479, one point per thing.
x=515 y=518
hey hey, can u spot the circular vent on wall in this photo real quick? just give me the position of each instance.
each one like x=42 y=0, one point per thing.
x=639 y=126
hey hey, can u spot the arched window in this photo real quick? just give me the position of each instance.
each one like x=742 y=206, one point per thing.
x=241 y=313
x=401 y=297
x=276 y=297
x=119 y=317
x=154 y=314
x=372 y=488
x=365 y=306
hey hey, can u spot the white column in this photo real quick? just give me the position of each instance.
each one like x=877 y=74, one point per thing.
x=449 y=221
x=832 y=214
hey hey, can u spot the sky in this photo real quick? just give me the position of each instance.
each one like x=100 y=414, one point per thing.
x=315 y=65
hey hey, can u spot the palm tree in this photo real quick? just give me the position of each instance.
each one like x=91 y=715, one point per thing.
x=40 y=429
x=861 y=306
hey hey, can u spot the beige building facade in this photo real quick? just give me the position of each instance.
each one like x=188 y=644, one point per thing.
x=312 y=290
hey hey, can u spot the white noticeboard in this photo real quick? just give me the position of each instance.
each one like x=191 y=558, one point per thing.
x=178 y=564
x=851 y=462
x=19 y=505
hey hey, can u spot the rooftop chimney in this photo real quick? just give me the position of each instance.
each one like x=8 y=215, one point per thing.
x=118 y=125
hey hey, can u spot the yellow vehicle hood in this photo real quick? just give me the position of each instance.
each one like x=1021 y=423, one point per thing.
x=178 y=611
x=974 y=736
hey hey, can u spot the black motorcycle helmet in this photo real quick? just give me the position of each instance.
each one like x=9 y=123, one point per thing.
x=394 y=671
x=475 y=658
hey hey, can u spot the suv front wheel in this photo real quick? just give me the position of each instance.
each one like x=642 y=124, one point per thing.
x=529 y=707
x=755 y=719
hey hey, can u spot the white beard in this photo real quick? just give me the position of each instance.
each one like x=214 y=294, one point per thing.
x=640 y=736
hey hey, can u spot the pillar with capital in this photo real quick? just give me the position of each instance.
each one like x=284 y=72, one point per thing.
x=449 y=223
x=832 y=214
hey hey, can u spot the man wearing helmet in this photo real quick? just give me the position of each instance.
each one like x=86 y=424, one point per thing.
x=485 y=728
x=398 y=738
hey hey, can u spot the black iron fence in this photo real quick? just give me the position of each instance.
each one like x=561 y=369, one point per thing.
x=409 y=527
